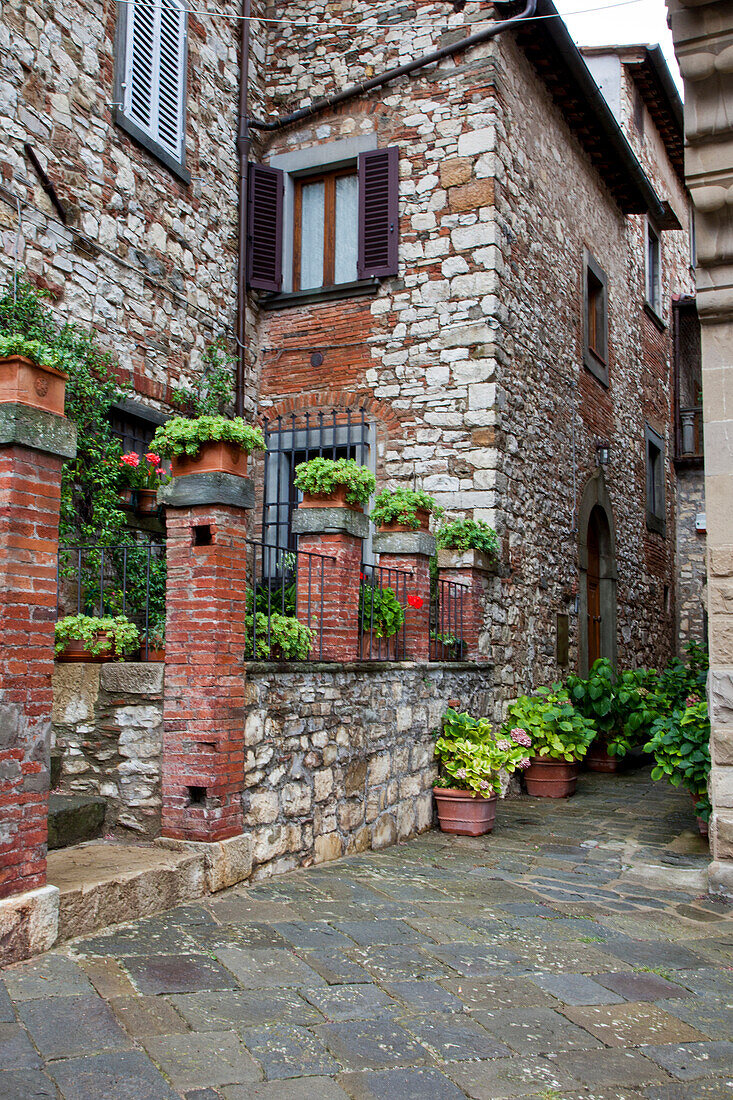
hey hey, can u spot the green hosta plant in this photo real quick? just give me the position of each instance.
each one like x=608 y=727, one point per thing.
x=680 y=744
x=380 y=611
x=471 y=758
x=37 y=350
x=401 y=506
x=287 y=639
x=119 y=635
x=555 y=728
x=181 y=436
x=468 y=534
x=322 y=476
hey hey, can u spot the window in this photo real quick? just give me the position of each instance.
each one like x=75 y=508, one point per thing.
x=653 y=270
x=134 y=425
x=595 y=319
x=150 y=79
x=655 y=507
x=328 y=218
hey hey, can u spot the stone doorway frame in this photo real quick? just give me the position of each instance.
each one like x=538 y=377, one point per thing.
x=595 y=495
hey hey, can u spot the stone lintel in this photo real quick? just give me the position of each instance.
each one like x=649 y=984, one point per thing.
x=133 y=677
x=404 y=542
x=37 y=429
x=467 y=559
x=226 y=862
x=29 y=923
x=212 y=488
x=322 y=521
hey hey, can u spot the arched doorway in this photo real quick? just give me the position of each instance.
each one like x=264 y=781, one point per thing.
x=597 y=611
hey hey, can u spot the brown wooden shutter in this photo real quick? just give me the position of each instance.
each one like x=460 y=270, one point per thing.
x=265 y=227
x=378 y=213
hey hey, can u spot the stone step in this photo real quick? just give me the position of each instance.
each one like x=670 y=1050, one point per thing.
x=73 y=819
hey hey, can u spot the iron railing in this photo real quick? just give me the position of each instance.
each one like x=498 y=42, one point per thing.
x=113 y=580
x=446 y=622
x=285 y=583
x=379 y=587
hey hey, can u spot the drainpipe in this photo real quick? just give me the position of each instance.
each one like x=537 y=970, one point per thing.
x=244 y=143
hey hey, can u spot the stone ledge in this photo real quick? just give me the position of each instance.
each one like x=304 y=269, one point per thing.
x=213 y=488
x=40 y=430
x=468 y=559
x=365 y=666
x=404 y=542
x=133 y=677
x=29 y=923
x=226 y=862
x=321 y=521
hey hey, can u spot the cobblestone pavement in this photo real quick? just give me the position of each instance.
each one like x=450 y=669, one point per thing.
x=572 y=954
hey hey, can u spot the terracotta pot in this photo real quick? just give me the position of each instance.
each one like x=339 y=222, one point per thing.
x=463 y=812
x=423 y=518
x=546 y=778
x=28 y=383
x=125 y=496
x=214 y=457
x=153 y=653
x=75 y=653
x=336 y=499
x=382 y=649
x=598 y=759
x=147 y=502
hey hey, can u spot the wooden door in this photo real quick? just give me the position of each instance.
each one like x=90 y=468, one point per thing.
x=594 y=592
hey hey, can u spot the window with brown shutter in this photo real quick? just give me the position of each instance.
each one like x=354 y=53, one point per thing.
x=378 y=213
x=595 y=318
x=264 y=227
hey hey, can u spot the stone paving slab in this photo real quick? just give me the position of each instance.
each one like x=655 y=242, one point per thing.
x=531 y=964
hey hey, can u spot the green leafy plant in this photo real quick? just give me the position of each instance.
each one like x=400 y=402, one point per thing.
x=322 y=476
x=213 y=394
x=380 y=611
x=401 y=506
x=182 y=436
x=37 y=350
x=470 y=757
x=683 y=678
x=553 y=725
x=156 y=634
x=468 y=534
x=680 y=744
x=100 y=635
x=287 y=639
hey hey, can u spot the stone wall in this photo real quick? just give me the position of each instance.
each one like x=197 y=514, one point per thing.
x=108 y=728
x=691 y=571
x=340 y=758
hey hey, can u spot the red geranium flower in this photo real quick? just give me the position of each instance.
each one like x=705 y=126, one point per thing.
x=153 y=458
x=415 y=601
x=131 y=459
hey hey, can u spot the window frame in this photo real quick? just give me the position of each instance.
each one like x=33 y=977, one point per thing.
x=656 y=502
x=595 y=354
x=653 y=294
x=176 y=165
x=329 y=178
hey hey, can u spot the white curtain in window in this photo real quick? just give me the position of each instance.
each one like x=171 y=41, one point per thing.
x=311 y=235
x=347 y=193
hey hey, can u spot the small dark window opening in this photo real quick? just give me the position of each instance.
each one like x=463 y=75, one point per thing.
x=134 y=433
x=197 y=796
x=202 y=535
x=595 y=319
x=655 y=505
x=639 y=112
x=653 y=269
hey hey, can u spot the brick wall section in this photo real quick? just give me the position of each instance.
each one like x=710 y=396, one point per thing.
x=337 y=639
x=203 y=709
x=29 y=513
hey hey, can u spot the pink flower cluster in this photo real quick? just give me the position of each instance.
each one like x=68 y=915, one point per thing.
x=692 y=700
x=461 y=773
x=520 y=737
x=504 y=744
x=485 y=785
x=130 y=459
x=524 y=763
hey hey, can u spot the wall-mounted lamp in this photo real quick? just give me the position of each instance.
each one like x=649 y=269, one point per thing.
x=602 y=453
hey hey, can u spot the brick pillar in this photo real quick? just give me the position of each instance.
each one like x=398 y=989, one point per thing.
x=471 y=570
x=335 y=532
x=410 y=552
x=203 y=709
x=34 y=443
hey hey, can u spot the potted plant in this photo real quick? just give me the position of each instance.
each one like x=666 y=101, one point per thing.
x=329 y=482
x=447 y=646
x=468 y=534
x=207 y=444
x=558 y=737
x=381 y=614
x=403 y=510
x=155 y=639
x=471 y=761
x=32 y=373
x=141 y=479
x=279 y=637
x=595 y=698
x=86 y=638
x=680 y=744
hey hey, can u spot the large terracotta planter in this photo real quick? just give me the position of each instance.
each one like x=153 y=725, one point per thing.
x=423 y=518
x=598 y=759
x=28 y=383
x=336 y=499
x=75 y=654
x=382 y=649
x=546 y=778
x=213 y=457
x=463 y=812
x=147 y=502
x=154 y=654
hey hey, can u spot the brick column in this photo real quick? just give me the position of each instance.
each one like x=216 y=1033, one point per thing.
x=203 y=709
x=410 y=552
x=336 y=532
x=34 y=443
x=471 y=570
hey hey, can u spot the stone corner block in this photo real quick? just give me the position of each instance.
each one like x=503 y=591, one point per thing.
x=226 y=862
x=213 y=488
x=37 y=429
x=404 y=542
x=29 y=923
x=467 y=559
x=720 y=877
x=75 y=692
x=322 y=521
x=133 y=677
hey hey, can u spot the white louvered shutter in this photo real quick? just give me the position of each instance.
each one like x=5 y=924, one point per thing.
x=155 y=71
